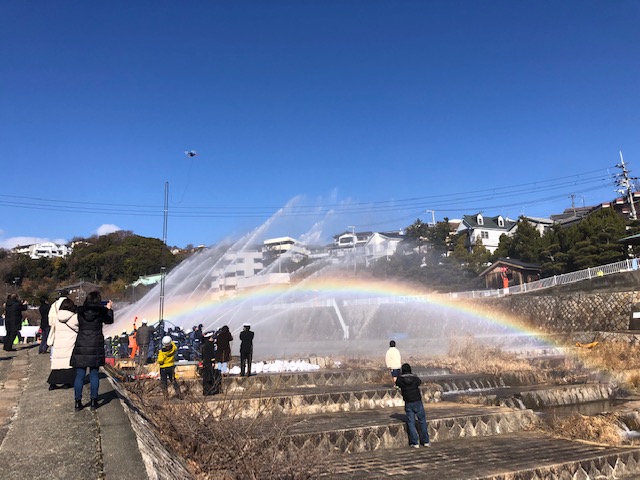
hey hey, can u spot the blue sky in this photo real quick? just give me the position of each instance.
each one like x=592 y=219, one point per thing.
x=357 y=113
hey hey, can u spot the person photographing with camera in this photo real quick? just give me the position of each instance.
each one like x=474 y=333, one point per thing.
x=89 y=349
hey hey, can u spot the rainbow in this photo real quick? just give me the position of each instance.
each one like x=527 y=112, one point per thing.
x=186 y=310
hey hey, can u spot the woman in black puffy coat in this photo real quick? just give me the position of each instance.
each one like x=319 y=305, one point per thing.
x=89 y=349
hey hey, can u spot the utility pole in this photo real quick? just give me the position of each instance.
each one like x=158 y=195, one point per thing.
x=353 y=232
x=573 y=203
x=623 y=180
x=163 y=269
x=433 y=217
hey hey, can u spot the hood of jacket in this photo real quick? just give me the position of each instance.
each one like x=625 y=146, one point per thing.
x=65 y=315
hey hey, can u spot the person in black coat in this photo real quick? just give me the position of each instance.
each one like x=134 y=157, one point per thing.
x=409 y=385
x=143 y=338
x=89 y=349
x=211 y=377
x=12 y=319
x=45 y=306
x=246 y=350
x=223 y=349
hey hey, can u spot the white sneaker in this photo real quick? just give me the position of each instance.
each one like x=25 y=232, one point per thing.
x=415 y=446
x=428 y=444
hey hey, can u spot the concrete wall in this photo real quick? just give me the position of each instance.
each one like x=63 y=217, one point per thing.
x=601 y=304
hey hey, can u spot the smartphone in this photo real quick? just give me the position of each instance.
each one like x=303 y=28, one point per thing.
x=104 y=302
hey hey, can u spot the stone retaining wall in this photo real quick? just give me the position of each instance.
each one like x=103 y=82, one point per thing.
x=569 y=312
x=161 y=463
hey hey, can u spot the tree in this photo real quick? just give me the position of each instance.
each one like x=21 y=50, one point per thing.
x=597 y=240
x=523 y=245
x=439 y=236
x=120 y=255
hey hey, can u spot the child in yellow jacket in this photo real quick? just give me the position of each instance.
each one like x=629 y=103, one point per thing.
x=166 y=360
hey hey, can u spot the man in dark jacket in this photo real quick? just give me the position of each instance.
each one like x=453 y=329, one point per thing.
x=143 y=338
x=211 y=376
x=12 y=319
x=45 y=306
x=409 y=385
x=246 y=350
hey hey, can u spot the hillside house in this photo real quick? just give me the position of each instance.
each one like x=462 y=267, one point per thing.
x=485 y=229
x=379 y=245
x=43 y=250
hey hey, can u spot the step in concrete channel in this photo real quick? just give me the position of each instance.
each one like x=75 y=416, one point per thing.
x=308 y=400
x=524 y=455
x=449 y=382
x=537 y=397
x=353 y=432
x=349 y=378
x=464 y=383
x=323 y=378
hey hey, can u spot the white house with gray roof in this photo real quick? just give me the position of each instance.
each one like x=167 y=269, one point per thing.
x=486 y=229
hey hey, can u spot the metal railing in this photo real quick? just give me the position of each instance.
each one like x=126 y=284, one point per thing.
x=564 y=279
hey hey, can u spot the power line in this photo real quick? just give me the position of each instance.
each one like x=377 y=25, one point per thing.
x=522 y=194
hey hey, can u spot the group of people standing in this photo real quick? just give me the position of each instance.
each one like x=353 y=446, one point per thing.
x=77 y=344
x=215 y=353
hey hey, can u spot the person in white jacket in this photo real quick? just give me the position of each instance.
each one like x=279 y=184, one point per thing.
x=62 y=339
x=393 y=360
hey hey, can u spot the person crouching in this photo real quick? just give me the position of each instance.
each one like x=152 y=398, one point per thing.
x=166 y=361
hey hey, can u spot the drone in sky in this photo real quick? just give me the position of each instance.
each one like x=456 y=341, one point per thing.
x=191 y=153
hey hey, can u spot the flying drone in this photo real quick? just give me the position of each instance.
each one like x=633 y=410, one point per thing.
x=191 y=153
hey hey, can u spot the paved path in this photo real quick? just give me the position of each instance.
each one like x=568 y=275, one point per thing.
x=42 y=436
x=522 y=455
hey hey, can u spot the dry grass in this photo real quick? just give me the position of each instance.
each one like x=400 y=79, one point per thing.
x=632 y=378
x=619 y=359
x=604 y=428
x=361 y=363
x=611 y=356
x=467 y=355
x=219 y=444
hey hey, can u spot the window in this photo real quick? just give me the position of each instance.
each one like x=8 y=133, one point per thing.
x=500 y=221
x=239 y=273
x=484 y=235
x=480 y=219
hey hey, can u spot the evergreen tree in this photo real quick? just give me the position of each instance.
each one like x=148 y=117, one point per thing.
x=597 y=240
